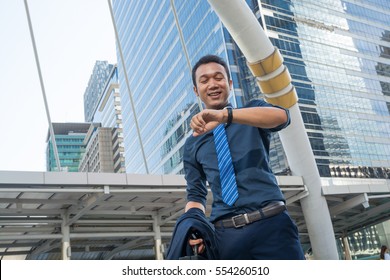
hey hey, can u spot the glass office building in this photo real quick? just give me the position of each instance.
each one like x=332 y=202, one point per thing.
x=160 y=78
x=106 y=110
x=338 y=54
x=339 y=57
x=101 y=73
x=69 y=139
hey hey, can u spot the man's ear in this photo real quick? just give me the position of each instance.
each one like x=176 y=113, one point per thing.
x=230 y=84
x=196 y=91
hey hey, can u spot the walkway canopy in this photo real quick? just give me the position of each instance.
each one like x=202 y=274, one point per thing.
x=128 y=216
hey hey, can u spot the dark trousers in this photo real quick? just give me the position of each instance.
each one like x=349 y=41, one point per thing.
x=274 y=238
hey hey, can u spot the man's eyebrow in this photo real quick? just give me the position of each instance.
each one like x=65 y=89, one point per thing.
x=211 y=74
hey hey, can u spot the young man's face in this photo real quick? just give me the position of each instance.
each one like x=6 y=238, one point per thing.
x=212 y=85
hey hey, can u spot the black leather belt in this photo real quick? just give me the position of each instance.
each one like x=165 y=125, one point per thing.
x=241 y=220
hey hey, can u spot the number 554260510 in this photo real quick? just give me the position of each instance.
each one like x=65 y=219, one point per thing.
x=254 y=270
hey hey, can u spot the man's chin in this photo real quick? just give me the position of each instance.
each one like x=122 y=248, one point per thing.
x=217 y=105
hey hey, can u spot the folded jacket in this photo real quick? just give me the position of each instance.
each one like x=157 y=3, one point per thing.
x=193 y=220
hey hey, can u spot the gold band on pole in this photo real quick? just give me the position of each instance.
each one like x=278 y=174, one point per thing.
x=286 y=101
x=266 y=65
x=276 y=83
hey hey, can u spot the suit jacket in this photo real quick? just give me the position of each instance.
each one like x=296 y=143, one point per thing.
x=193 y=220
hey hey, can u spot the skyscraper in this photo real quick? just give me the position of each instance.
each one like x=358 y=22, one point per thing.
x=102 y=104
x=336 y=51
x=99 y=77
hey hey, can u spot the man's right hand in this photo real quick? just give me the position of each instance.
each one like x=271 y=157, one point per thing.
x=207 y=120
x=199 y=243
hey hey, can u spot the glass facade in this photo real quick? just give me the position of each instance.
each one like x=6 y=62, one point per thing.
x=100 y=74
x=107 y=108
x=69 y=139
x=366 y=243
x=339 y=58
x=159 y=77
x=337 y=53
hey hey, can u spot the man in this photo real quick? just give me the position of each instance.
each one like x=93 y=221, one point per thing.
x=384 y=255
x=254 y=224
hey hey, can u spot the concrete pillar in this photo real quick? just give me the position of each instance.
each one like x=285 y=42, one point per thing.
x=347 y=251
x=157 y=238
x=314 y=206
x=65 y=230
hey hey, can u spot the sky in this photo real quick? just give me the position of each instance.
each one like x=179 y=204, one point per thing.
x=70 y=36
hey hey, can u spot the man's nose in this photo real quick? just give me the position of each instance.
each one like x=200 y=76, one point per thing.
x=212 y=83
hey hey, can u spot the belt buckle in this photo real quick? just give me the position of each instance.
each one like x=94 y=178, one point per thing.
x=238 y=217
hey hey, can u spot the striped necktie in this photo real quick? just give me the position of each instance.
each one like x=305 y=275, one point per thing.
x=225 y=165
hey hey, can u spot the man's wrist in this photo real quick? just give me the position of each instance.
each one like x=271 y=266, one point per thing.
x=229 y=115
x=193 y=204
x=225 y=115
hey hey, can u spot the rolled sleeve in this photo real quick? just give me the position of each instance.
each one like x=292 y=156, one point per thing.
x=283 y=125
x=262 y=103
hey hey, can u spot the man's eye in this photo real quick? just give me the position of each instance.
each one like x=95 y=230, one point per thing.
x=203 y=81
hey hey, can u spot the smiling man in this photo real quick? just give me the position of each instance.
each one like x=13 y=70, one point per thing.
x=248 y=209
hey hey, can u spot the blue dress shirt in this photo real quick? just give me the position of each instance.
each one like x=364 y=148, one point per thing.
x=249 y=147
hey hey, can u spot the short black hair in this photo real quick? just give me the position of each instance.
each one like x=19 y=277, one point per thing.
x=208 y=59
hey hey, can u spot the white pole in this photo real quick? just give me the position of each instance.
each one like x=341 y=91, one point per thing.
x=275 y=82
x=52 y=135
